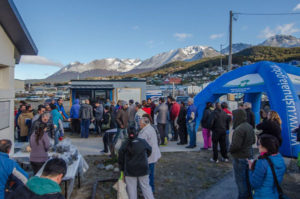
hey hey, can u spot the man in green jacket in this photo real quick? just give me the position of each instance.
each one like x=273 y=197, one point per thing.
x=241 y=150
x=46 y=186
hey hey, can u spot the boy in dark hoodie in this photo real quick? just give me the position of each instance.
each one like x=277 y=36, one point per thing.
x=46 y=186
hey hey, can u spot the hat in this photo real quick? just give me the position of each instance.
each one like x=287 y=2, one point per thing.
x=123 y=103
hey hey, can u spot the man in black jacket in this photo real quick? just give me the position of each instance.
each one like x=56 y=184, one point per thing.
x=133 y=161
x=218 y=122
x=46 y=186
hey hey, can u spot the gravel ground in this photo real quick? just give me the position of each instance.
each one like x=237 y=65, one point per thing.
x=177 y=175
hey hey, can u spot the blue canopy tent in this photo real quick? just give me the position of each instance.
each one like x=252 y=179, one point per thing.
x=281 y=83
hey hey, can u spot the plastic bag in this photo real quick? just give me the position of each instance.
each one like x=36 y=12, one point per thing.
x=120 y=187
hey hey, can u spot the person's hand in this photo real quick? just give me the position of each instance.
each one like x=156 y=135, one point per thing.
x=55 y=126
x=69 y=119
x=122 y=126
x=60 y=112
x=250 y=162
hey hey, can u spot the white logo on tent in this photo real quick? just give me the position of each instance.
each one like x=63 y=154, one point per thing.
x=246 y=80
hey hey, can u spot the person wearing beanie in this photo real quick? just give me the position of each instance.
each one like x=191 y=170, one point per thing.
x=133 y=162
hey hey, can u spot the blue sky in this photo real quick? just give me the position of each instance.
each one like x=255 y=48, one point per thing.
x=83 y=30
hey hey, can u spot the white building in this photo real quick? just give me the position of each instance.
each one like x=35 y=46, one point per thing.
x=194 y=90
x=14 y=42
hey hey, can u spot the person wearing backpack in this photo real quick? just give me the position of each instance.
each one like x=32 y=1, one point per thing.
x=133 y=162
x=106 y=125
x=266 y=173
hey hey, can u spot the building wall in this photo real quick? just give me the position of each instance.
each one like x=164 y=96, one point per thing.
x=19 y=85
x=117 y=84
x=7 y=82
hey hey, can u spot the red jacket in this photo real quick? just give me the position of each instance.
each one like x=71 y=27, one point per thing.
x=227 y=111
x=147 y=110
x=175 y=111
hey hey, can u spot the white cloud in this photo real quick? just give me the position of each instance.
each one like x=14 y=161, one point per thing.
x=285 y=29
x=136 y=27
x=297 y=7
x=216 y=36
x=182 y=36
x=39 y=60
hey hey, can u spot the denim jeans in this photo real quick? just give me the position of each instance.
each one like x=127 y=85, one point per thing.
x=85 y=128
x=151 y=176
x=192 y=133
x=227 y=141
x=56 y=136
x=240 y=169
x=123 y=131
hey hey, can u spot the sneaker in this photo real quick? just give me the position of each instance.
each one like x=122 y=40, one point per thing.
x=225 y=160
x=166 y=140
x=103 y=151
x=215 y=161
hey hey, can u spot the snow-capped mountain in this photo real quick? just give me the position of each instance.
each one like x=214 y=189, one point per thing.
x=236 y=48
x=189 y=53
x=102 y=67
x=286 y=41
x=115 y=66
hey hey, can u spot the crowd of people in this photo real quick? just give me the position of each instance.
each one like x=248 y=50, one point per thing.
x=145 y=126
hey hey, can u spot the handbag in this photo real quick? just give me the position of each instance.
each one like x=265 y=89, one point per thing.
x=107 y=125
x=281 y=194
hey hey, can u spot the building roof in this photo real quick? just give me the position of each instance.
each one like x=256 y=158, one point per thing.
x=115 y=80
x=15 y=28
x=104 y=86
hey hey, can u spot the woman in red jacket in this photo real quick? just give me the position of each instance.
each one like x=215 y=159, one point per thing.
x=146 y=107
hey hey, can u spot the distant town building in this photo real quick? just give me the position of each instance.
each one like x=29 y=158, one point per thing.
x=100 y=90
x=171 y=80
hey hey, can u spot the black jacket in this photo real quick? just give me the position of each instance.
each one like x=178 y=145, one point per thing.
x=182 y=116
x=250 y=117
x=243 y=136
x=270 y=127
x=218 y=121
x=107 y=119
x=205 y=118
x=23 y=192
x=135 y=163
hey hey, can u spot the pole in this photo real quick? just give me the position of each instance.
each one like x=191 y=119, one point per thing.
x=77 y=73
x=173 y=93
x=221 y=55
x=230 y=41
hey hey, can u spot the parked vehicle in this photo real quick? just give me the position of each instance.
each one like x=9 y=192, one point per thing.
x=33 y=98
x=60 y=95
x=184 y=99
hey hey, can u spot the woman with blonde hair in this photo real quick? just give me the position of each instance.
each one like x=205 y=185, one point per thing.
x=271 y=126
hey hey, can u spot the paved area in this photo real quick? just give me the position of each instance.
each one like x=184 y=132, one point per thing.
x=93 y=145
x=225 y=188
